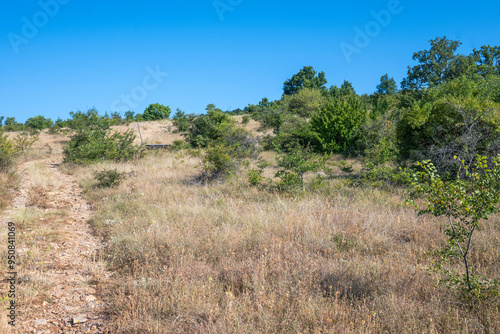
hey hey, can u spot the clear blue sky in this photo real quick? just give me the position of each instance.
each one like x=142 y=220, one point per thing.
x=87 y=53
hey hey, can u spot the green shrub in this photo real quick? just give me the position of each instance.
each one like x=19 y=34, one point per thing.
x=224 y=156
x=26 y=139
x=90 y=145
x=255 y=177
x=179 y=144
x=245 y=119
x=182 y=121
x=8 y=151
x=39 y=123
x=464 y=201
x=294 y=164
x=218 y=164
x=108 y=178
x=306 y=102
x=156 y=111
x=337 y=123
x=209 y=128
x=457 y=117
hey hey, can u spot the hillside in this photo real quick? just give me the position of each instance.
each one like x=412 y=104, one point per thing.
x=164 y=253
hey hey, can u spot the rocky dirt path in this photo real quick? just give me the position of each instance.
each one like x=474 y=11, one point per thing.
x=59 y=271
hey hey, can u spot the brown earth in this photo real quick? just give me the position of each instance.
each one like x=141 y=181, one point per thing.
x=57 y=254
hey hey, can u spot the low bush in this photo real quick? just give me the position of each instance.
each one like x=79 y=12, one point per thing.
x=8 y=151
x=465 y=202
x=89 y=145
x=108 y=178
x=295 y=164
x=226 y=155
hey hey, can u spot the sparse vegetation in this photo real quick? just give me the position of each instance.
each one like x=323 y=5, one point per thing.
x=292 y=220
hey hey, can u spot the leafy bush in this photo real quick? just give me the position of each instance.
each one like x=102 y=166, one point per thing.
x=294 y=164
x=378 y=141
x=39 y=123
x=455 y=118
x=182 y=121
x=255 y=177
x=245 y=119
x=336 y=124
x=464 y=201
x=225 y=156
x=156 y=111
x=12 y=125
x=206 y=129
x=8 y=151
x=26 y=139
x=99 y=143
x=217 y=162
x=295 y=131
x=86 y=120
x=306 y=101
x=178 y=145
x=109 y=178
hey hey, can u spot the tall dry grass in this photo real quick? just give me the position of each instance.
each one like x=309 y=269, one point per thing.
x=229 y=258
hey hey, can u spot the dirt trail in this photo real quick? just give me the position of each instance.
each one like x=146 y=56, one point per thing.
x=61 y=289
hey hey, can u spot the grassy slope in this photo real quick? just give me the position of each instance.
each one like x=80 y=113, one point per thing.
x=228 y=258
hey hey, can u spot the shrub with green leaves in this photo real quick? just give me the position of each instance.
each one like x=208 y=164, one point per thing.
x=108 y=178
x=182 y=121
x=255 y=177
x=26 y=139
x=225 y=156
x=465 y=201
x=39 y=123
x=8 y=151
x=209 y=128
x=92 y=144
x=337 y=123
x=295 y=163
x=156 y=111
x=459 y=117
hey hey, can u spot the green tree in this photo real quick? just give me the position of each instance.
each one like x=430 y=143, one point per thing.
x=39 y=122
x=387 y=86
x=182 y=121
x=129 y=116
x=307 y=77
x=306 y=101
x=458 y=117
x=433 y=64
x=336 y=123
x=488 y=60
x=156 y=111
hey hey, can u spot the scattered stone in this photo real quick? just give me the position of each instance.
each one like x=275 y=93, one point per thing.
x=80 y=319
x=40 y=322
x=90 y=298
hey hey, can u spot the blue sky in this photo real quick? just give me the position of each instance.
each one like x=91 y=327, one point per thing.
x=59 y=56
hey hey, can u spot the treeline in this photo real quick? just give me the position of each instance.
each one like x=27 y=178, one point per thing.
x=152 y=112
x=448 y=105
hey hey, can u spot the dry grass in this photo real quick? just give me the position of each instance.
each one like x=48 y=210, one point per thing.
x=228 y=258
x=8 y=183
